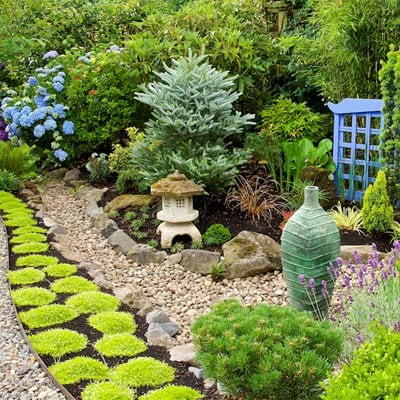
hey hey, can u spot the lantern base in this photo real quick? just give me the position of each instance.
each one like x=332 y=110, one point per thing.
x=169 y=230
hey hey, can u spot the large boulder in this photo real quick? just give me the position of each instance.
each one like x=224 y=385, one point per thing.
x=249 y=254
x=128 y=200
x=143 y=254
x=199 y=261
x=121 y=242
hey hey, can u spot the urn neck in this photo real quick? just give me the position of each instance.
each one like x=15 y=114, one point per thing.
x=311 y=198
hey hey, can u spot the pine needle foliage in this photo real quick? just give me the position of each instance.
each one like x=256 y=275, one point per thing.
x=263 y=351
x=112 y=322
x=192 y=119
x=32 y=296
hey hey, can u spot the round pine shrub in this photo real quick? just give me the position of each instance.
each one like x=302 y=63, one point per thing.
x=142 y=371
x=33 y=247
x=35 y=260
x=106 y=391
x=73 y=284
x=120 y=345
x=93 y=302
x=173 y=393
x=25 y=276
x=32 y=296
x=29 y=237
x=58 y=342
x=216 y=235
x=61 y=270
x=28 y=229
x=113 y=322
x=263 y=351
x=78 y=369
x=44 y=316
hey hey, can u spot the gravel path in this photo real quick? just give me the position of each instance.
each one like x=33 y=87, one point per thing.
x=183 y=295
x=21 y=377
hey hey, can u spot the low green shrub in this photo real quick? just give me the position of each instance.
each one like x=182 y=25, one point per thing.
x=11 y=203
x=33 y=247
x=29 y=229
x=373 y=373
x=22 y=221
x=173 y=393
x=376 y=211
x=73 y=284
x=44 y=316
x=216 y=235
x=142 y=371
x=36 y=260
x=32 y=296
x=93 y=302
x=6 y=197
x=9 y=182
x=120 y=345
x=61 y=270
x=265 y=351
x=79 y=369
x=58 y=342
x=98 y=167
x=29 y=237
x=25 y=276
x=17 y=159
x=113 y=322
x=19 y=213
x=106 y=391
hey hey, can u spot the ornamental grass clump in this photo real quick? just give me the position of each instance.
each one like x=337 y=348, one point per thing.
x=32 y=296
x=32 y=247
x=44 y=316
x=263 y=351
x=120 y=345
x=73 y=284
x=79 y=369
x=112 y=322
x=107 y=391
x=93 y=302
x=142 y=371
x=61 y=270
x=36 y=260
x=25 y=276
x=346 y=218
x=29 y=237
x=172 y=392
x=58 y=342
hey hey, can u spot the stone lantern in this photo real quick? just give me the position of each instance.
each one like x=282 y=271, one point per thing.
x=177 y=212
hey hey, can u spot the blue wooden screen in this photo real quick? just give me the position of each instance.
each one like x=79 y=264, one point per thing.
x=358 y=124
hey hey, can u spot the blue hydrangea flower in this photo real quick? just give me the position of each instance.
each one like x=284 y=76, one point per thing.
x=39 y=131
x=5 y=101
x=50 y=54
x=42 y=91
x=62 y=73
x=26 y=110
x=58 y=87
x=38 y=114
x=39 y=101
x=84 y=59
x=26 y=121
x=32 y=81
x=68 y=127
x=59 y=79
x=12 y=130
x=50 y=124
x=16 y=116
x=115 y=48
x=59 y=111
x=7 y=112
x=60 y=154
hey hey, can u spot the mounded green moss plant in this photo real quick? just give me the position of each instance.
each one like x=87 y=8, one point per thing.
x=58 y=342
x=18 y=222
x=78 y=369
x=61 y=270
x=32 y=247
x=25 y=276
x=29 y=229
x=29 y=237
x=32 y=296
x=44 y=316
x=6 y=196
x=112 y=322
x=93 y=302
x=73 y=284
x=106 y=391
x=119 y=345
x=12 y=204
x=19 y=213
x=142 y=371
x=377 y=211
x=216 y=235
x=36 y=260
x=172 y=392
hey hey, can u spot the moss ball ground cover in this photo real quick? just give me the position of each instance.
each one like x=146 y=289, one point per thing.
x=83 y=334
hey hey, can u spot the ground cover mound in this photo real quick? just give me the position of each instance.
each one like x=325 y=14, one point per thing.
x=80 y=325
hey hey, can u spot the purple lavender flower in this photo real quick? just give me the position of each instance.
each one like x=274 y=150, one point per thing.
x=395 y=326
x=50 y=54
x=324 y=290
x=302 y=281
x=359 y=338
x=372 y=304
x=346 y=281
x=311 y=284
x=339 y=262
x=3 y=133
x=331 y=270
x=357 y=257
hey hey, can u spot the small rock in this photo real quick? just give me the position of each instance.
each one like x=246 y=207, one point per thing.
x=184 y=353
x=199 y=261
x=197 y=372
x=110 y=227
x=71 y=175
x=157 y=316
x=121 y=242
x=145 y=255
x=159 y=338
x=57 y=230
x=170 y=328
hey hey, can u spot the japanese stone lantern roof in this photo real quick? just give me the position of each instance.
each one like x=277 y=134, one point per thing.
x=176 y=185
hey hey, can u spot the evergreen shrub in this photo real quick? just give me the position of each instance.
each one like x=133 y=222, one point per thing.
x=216 y=235
x=9 y=182
x=263 y=351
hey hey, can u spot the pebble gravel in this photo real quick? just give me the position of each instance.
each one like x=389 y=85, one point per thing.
x=21 y=377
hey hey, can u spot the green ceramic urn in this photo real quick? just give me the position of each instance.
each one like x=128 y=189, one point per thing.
x=310 y=241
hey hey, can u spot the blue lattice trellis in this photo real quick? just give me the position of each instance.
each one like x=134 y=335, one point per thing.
x=357 y=127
